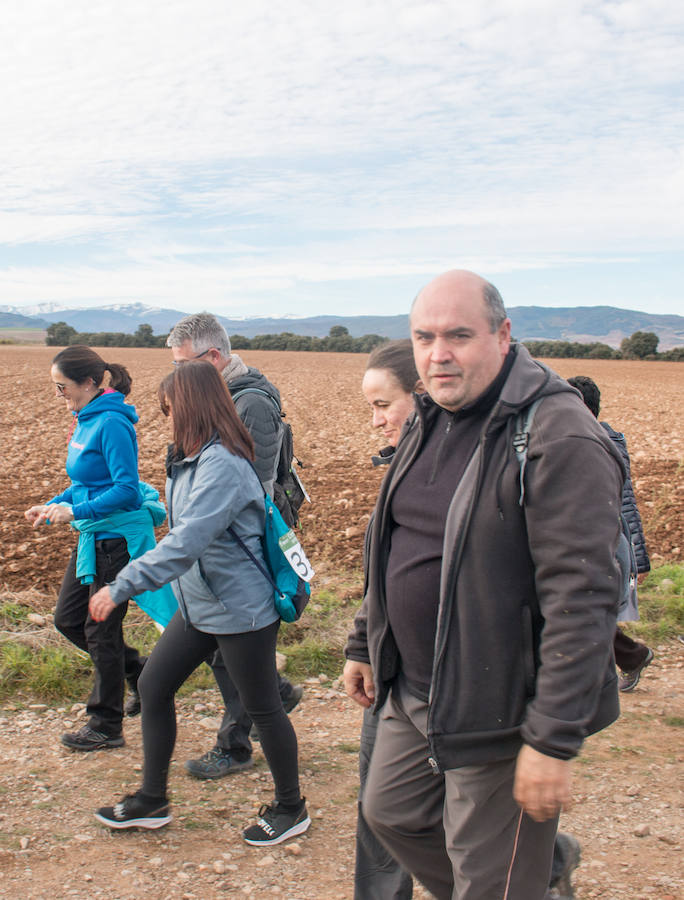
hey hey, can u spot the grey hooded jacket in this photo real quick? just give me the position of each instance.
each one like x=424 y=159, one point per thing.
x=218 y=588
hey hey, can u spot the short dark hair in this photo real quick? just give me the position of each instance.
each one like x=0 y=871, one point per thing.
x=397 y=358
x=202 y=407
x=79 y=363
x=496 y=311
x=589 y=391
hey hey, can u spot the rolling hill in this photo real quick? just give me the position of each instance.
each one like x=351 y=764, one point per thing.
x=606 y=324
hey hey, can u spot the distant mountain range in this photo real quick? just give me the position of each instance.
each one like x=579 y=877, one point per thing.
x=16 y=320
x=585 y=324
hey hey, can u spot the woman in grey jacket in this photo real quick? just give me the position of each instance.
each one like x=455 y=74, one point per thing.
x=224 y=602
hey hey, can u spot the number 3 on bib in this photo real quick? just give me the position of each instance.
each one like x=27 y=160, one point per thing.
x=296 y=556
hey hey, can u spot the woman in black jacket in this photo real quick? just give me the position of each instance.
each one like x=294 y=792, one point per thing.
x=631 y=656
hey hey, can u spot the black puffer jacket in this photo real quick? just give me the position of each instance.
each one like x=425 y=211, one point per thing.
x=261 y=416
x=528 y=597
x=630 y=510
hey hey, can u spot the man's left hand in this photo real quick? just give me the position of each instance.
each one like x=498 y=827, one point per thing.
x=542 y=784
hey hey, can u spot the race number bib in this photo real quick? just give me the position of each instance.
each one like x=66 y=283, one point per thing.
x=295 y=555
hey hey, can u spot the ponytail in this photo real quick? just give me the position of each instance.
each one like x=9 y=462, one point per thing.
x=119 y=378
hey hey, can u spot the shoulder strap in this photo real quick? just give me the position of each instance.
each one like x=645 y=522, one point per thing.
x=521 y=439
x=236 y=537
x=238 y=540
x=245 y=549
x=236 y=396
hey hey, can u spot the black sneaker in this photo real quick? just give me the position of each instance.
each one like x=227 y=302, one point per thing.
x=135 y=812
x=629 y=680
x=566 y=858
x=87 y=738
x=292 y=701
x=274 y=825
x=295 y=696
x=217 y=763
x=133 y=704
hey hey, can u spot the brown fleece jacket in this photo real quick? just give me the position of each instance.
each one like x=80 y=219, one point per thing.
x=528 y=595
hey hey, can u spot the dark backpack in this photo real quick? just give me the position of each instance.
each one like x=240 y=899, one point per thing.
x=288 y=491
x=624 y=553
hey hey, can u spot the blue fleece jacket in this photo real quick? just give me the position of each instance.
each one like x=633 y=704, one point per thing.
x=102 y=459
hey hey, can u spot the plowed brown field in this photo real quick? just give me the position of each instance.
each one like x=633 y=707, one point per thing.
x=332 y=437
x=626 y=813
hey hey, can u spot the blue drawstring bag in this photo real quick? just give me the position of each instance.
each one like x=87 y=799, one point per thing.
x=287 y=568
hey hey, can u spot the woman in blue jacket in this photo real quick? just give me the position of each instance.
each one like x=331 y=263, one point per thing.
x=102 y=463
x=224 y=601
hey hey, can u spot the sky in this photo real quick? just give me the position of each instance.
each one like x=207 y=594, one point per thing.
x=302 y=159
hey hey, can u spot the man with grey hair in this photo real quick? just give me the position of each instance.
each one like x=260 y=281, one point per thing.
x=481 y=572
x=257 y=402
x=201 y=336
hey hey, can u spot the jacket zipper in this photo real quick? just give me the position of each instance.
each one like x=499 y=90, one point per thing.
x=439 y=455
x=382 y=529
x=183 y=604
x=445 y=608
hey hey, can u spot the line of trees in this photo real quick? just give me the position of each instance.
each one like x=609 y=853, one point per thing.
x=338 y=340
x=570 y=350
x=641 y=345
x=59 y=334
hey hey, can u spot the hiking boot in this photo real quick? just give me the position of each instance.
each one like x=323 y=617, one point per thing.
x=566 y=859
x=276 y=825
x=295 y=696
x=87 y=738
x=292 y=701
x=135 y=811
x=629 y=680
x=217 y=763
x=133 y=704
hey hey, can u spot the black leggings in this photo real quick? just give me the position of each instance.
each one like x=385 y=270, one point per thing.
x=250 y=661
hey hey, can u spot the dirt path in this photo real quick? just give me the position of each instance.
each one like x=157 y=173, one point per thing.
x=627 y=781
x=628 y=814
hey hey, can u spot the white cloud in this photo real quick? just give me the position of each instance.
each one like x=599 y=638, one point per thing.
x=159 y=146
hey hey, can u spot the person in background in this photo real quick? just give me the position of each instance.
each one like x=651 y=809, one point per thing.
x=102 y=463
x=472 y=588
x=202 y=336
x=631 y=656
x=388 y=385
x=224 y=602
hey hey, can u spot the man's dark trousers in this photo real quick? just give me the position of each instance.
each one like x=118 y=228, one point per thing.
x=113 y=659
x=377 y=876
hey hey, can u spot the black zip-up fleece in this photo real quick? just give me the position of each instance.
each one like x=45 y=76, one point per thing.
x=630 y=510
x=528 y=595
